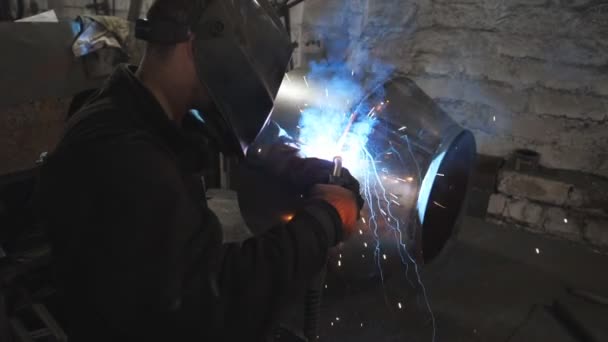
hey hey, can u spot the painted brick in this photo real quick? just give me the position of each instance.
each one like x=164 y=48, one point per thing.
x=474 y=91
x=497 y=204
x=523 y=211
x=535 y=188
x=596 y=232
x=569 y=105
x=557 y=222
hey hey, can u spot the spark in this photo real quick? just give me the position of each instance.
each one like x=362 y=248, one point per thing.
x=494 y=118
x=305 y=81
x=565 y=220
x=352 y=73
x=332 y=324
x=399 y=305
x=325 y=285
x=337 y=318
x=287 y=77
x=439 y=205
x=326 y=92
x=537 y=251
x=301 y=111
x=339 y=263
x=361 y=325
x=340 y=256
x=441 y=175
x=330 y=134
x=259 y=150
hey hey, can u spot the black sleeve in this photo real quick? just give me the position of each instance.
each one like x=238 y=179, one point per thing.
x=139 y=251
x=258 y=274
x=146 y=254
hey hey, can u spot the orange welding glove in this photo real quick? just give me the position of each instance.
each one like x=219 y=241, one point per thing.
x=343 y=200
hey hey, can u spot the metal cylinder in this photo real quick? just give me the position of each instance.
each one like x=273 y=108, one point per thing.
x=414 y=171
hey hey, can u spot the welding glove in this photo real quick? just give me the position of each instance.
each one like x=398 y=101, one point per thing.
x=283 y=161
x=343 y=200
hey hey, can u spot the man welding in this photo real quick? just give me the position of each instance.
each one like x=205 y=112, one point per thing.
x=139 y=255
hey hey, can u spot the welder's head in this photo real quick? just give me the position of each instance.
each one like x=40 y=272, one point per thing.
x=240 y=52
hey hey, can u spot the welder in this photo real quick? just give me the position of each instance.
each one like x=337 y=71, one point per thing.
x=138 y=255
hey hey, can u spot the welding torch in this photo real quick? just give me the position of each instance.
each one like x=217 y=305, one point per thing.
x=314 y=291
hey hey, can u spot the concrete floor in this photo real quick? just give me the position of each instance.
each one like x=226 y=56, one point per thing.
x=491 y=285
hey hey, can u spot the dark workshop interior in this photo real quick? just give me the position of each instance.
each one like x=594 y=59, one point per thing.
x=476 y=132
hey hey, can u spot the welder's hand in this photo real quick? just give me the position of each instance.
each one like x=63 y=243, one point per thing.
x=343 y=200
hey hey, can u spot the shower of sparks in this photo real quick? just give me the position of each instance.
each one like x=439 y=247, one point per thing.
x=328 y=132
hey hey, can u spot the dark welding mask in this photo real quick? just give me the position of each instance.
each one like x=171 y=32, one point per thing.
x=242 y=51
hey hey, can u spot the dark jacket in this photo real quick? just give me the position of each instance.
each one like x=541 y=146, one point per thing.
x=139 y=255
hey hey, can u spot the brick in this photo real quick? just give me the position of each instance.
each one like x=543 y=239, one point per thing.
x=596 y=232
x=500 y=97
x=519 y=73
x=569 y=105
x=497 y=204
x=456 y=42
x=523 y=211
x=557 y=222
x=534 y=188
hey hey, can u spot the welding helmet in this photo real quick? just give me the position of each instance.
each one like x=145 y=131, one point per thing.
x=242 y=51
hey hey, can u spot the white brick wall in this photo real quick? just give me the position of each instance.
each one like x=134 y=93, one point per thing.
x=539 y=66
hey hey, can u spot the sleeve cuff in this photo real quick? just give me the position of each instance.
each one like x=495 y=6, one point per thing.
x=328 y=218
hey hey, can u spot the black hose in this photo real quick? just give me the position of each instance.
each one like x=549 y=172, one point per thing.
x=312 y=311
